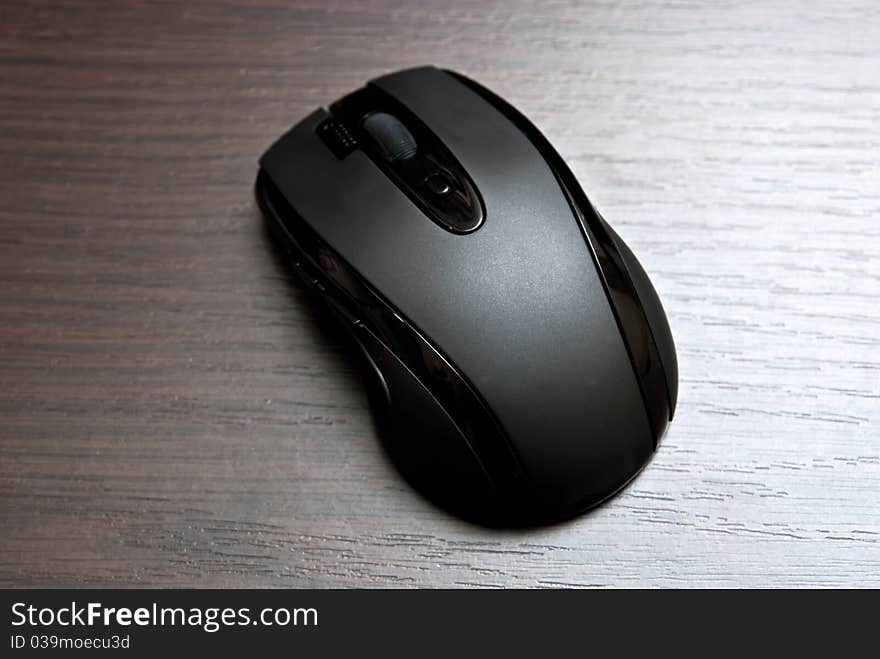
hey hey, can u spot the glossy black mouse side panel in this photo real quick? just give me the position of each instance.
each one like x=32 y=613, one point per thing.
x=424 y=441
x=657 y=322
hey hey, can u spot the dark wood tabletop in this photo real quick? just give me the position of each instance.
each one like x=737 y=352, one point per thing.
x=175 y=412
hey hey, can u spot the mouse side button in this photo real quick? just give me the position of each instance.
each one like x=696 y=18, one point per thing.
x=337 y=138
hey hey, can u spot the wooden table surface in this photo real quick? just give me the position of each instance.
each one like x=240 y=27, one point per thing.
x=174 y=412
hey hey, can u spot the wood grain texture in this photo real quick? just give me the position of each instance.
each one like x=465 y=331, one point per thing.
x=174 y=412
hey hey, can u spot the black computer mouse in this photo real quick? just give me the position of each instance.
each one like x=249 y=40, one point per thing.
x=517 y=346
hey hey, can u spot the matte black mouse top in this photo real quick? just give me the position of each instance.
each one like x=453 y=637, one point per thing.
x=517 y=346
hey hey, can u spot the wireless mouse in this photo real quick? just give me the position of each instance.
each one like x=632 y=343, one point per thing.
x=515 y=346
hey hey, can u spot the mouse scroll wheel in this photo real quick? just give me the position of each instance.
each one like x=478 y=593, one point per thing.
x=395 y=142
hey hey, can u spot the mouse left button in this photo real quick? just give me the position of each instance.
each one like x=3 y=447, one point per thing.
x=337 y=137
